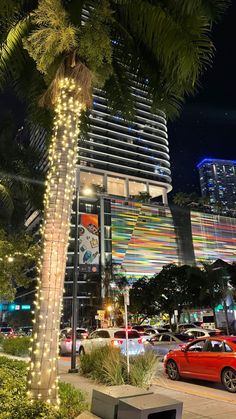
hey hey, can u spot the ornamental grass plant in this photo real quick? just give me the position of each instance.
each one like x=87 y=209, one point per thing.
x=108 y=366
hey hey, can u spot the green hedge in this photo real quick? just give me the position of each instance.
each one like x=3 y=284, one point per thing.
x=1 y=338
x=16 y=346
x=108 y=366
x=15 y=404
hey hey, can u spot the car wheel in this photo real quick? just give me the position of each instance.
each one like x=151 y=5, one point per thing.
x=81 y=351
x=172 y=370
x=229 y=379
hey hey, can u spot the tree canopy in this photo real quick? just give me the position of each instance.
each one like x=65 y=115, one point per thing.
x=183 y=287
x=164 y=46
x=18 y=255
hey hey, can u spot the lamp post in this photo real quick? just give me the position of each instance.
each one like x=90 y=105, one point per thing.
x=102 y=247
x=73 y=368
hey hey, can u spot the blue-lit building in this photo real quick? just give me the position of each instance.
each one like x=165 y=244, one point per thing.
x=218 y=181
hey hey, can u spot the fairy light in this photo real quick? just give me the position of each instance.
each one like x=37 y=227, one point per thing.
x=42 y=376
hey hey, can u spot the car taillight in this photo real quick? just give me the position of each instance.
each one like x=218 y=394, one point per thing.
x=68 y=340
x=141 y=340
x=116 y=342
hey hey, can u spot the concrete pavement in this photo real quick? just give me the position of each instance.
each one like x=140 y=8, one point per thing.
x=201 y=400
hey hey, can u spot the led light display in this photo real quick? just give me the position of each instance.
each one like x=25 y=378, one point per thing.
x=214 y=237
x=143 y=238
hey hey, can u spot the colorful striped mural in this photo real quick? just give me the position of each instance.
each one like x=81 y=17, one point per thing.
x=214 y=237
x=143 y=238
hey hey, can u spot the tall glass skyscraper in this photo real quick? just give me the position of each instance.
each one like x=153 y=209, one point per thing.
x=218 y=181
x=126 y=158
x=123 y=158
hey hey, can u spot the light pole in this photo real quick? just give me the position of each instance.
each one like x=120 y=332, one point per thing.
x=102 y=247
x=73 y=368
x=126 y=304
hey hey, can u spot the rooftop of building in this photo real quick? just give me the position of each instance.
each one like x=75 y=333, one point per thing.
x=212 y=160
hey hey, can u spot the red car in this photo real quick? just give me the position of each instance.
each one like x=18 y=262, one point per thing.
x=207 y=358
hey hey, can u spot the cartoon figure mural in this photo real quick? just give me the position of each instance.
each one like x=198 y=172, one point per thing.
x=88 y=243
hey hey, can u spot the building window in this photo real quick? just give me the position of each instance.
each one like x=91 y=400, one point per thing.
x=154 y=191
x=116 y=186
x=136 y=187
x=88 y=179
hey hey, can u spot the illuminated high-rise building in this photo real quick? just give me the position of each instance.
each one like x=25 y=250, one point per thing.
x=218 y=181
x=122 y=158
x=126 y=158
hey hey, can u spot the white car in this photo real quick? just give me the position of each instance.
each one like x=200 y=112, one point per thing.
x=114 y=337
x=65 y=343
x=198 y=332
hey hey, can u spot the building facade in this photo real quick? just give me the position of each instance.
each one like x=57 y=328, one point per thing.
x=122 y=160
x=218 y=181
x=126 y=158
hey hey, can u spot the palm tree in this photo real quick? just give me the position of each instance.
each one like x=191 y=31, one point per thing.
x=70 y=46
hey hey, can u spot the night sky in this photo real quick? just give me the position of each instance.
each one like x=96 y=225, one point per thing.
x=207 y=125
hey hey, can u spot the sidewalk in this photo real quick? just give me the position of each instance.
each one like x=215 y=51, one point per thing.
x=194 y=407
x=198 y=402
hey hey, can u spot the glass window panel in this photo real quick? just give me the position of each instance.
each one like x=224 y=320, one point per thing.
x=115 y=186
x=136 y=187
x=88 y=179
x=154 y=191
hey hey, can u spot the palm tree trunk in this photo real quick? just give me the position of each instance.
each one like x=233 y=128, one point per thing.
x=42 y=377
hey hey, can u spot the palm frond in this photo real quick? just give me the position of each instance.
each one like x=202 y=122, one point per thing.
x=6 y=203
x=214 y=9
x=52 y=36
x=180 y=44
x=12 y=57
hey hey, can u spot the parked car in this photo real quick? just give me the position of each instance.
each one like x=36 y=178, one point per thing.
x=208 y=358
x=141 y=328
x=82 y=332
x=198 y=332
x=115 y=337
x=24 y=331
x=162 y=343
x=65 y=341
x=7 y=331
x=147 y=333
x=198 y=324
x=152 y=332
x=184 y=326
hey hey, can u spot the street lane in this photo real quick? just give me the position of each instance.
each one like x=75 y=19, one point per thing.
x=201 y=388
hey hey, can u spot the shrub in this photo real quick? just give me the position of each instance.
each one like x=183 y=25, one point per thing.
x=15 y=404
x=1 y=338
x=108 y=366
x=16 y=346
x=72 y=401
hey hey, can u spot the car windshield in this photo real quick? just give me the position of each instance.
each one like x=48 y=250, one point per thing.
x=132 y=334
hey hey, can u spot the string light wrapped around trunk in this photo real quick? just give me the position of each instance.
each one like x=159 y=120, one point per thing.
x=63 y=152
